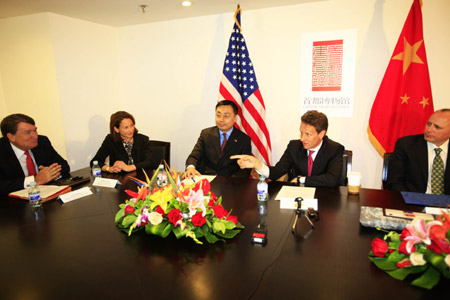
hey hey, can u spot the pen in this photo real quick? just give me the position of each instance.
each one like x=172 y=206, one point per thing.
x=192 y=177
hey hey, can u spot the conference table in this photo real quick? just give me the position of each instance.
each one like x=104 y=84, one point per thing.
x=75 y=251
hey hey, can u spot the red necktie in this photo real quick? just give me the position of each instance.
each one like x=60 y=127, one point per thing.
x=310 y=162
x=30 y=164
x=224 y=141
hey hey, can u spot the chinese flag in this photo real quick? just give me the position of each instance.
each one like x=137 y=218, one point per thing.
x=404 y=102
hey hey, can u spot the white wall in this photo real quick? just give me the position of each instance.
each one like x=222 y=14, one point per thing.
x=167 y=74
x=86 y=68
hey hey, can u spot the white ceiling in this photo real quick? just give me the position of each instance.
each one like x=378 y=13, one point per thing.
x=118 y=13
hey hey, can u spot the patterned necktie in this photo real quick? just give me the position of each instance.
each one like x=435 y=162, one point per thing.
x=30 y=164
x=437 y=174
x=224 y=142
x=310 y=162
x=128 y=147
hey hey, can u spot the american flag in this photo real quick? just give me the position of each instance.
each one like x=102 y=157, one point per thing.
x=239 y=84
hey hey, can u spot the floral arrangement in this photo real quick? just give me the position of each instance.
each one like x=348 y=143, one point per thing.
x=422 y=248
x=187 y=210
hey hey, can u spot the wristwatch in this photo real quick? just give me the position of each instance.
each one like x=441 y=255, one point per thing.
x=301 y=180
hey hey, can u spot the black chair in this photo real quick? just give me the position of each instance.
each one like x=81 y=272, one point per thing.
x=347 y=167
x=160 y=152
x=384 y=175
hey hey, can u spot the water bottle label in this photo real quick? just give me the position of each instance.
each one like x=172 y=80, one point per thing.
x=97 y=173
x=161 y=179
x=35 y=197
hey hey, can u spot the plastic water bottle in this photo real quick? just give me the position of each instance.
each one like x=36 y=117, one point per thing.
x=96 y=170
x=262 y=189
x=161 y=179
x=35 y=195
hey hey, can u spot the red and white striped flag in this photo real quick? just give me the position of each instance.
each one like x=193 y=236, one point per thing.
x=239 y=84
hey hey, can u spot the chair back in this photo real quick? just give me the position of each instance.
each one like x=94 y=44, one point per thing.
x=384 y=175
x=160 y=151
x=347 y=166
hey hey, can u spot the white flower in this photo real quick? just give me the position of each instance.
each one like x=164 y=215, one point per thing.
x=155 y=218
x=447 y=260
x=417 y=259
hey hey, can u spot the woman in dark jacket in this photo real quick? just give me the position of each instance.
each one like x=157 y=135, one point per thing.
x=127 y=149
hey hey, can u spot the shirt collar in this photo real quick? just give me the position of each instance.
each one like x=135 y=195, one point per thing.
x=228 y=133
x=317 y=148
x=444 y=146
x=17 y=151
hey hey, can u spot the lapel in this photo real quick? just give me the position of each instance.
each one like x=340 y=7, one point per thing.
x=216 y=141
x=317 y=165
x=12 y=160
x=231 y=142
x=423 y=163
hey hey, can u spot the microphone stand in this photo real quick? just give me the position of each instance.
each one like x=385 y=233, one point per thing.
x=299 y=213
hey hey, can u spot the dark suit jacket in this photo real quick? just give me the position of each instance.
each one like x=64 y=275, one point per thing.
x=327 y=167
x=209 y=160
x=11 y=173
x=408 y=166
x=141 y=152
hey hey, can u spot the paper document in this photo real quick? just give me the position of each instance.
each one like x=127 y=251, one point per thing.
x=287 y=203
x=436 y=210
x=77 y=194
x=105 y=182
x=292 y=192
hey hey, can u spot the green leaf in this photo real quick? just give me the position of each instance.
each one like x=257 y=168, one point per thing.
x=437 y=261
x=179 y=233
x=128 y=220
x=229 y=234
x=211 y=238
x=383 y=263
x=428 y=280
x=119 y=216
x=401 y=274
x=219 y=226
x=153 y=180
x=396 y=256
x=229 y=225
x=167 y=229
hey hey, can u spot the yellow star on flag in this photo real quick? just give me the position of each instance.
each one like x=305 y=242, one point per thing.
x=409 y=54
x=405 y=99
x=424 y=102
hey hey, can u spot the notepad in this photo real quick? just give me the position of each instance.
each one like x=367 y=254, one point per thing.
x=48 y=192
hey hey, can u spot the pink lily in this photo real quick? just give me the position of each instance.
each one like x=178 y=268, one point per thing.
x=420 y=233
x=195 y=200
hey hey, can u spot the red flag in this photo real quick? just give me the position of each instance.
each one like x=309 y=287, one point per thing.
x=404 y=102
x=239 y=84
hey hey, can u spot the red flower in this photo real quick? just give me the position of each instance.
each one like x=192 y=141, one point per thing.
x=211 y=203
x=232 y=219
x=402 y=248
x=174 y=216
x=160 y=211
x=131 y=193
x=220 y=212
x=403 y=263
x=129 y=209
x=204 y=183
x=379 y=247
x=213 y=197
x=405 y=233
x=435 y=248
x=198 y=220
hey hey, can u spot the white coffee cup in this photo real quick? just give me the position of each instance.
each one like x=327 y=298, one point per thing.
x=354 y=182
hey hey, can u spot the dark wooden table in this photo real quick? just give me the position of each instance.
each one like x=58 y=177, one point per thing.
x=75 y=251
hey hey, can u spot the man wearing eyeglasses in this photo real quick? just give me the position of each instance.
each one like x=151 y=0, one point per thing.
x=313 y=160
x=211 y=153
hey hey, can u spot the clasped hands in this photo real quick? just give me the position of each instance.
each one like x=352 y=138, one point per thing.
x=47 y=174
x=119 y=166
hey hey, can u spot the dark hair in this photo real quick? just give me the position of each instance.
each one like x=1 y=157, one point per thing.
x=228 y=102
x=316 y=119
x=116 y=119
x=9 y=123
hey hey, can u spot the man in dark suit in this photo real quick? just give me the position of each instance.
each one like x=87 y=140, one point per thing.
x=411 y=163
x=26 y=156
x=211 y=154
x=314 y=160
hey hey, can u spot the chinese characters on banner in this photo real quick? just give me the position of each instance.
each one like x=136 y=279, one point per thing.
x=327 y=72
